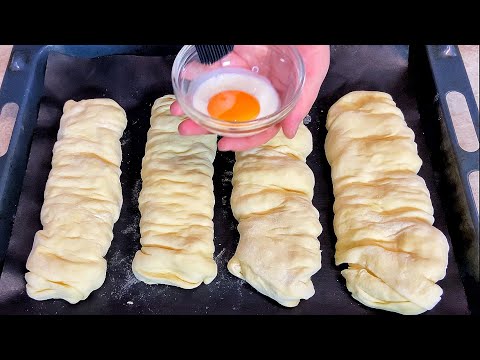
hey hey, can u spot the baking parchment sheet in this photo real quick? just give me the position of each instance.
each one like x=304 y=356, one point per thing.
x=135 y=82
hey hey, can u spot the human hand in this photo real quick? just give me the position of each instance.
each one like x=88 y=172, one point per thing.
x=316 y=59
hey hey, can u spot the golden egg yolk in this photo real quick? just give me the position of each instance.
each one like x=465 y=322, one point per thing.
x=233 y=105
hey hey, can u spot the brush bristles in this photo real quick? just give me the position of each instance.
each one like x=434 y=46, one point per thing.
x=209 y=54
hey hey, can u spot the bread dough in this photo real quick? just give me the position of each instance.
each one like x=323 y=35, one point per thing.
x=383 y=212
x=278 y=250
x=82 y=201
x=176 y=204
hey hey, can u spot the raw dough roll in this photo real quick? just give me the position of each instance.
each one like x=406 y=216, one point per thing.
x=278 y=250
x=176 y=204
x=383 y=212
x=82 y=201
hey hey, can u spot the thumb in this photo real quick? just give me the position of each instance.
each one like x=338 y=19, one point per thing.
x=290 y=127
x=291 y=123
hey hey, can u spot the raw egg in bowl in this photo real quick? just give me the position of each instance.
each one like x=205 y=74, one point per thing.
x=244 y=93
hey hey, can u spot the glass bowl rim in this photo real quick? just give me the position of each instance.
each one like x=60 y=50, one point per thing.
x=188 y=50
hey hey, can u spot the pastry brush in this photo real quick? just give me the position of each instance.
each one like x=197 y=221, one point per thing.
x=209 y=54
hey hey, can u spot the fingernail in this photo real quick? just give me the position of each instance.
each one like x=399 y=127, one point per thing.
x=287 y=134
x=180 y=128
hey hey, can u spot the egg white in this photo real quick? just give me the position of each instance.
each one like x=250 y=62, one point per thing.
x=206 y=86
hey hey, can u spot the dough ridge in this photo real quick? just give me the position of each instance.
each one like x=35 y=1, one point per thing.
x=383 y=211
x=176 y=204
x=82 y=202
x=278 y=250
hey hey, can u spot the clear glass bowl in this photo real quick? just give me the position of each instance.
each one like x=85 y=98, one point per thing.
x=282 y=65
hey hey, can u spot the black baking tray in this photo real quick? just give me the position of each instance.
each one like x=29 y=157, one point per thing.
x=41 y=78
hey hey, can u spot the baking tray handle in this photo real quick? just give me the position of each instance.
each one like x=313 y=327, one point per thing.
x=450 y=75
x=18 y=86
x=14 y=87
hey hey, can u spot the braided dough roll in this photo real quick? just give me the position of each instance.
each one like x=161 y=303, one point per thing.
x=82 y=201
x=176 y=204
x=278 y=250
x=383 y=212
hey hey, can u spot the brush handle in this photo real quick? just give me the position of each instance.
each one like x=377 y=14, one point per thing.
x=209 y=54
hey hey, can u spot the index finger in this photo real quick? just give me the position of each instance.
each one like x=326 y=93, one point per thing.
x=248 y=142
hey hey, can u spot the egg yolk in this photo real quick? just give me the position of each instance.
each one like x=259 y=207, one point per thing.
x=233 y=105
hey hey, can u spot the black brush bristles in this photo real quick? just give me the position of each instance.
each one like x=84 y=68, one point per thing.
x=209 y=54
